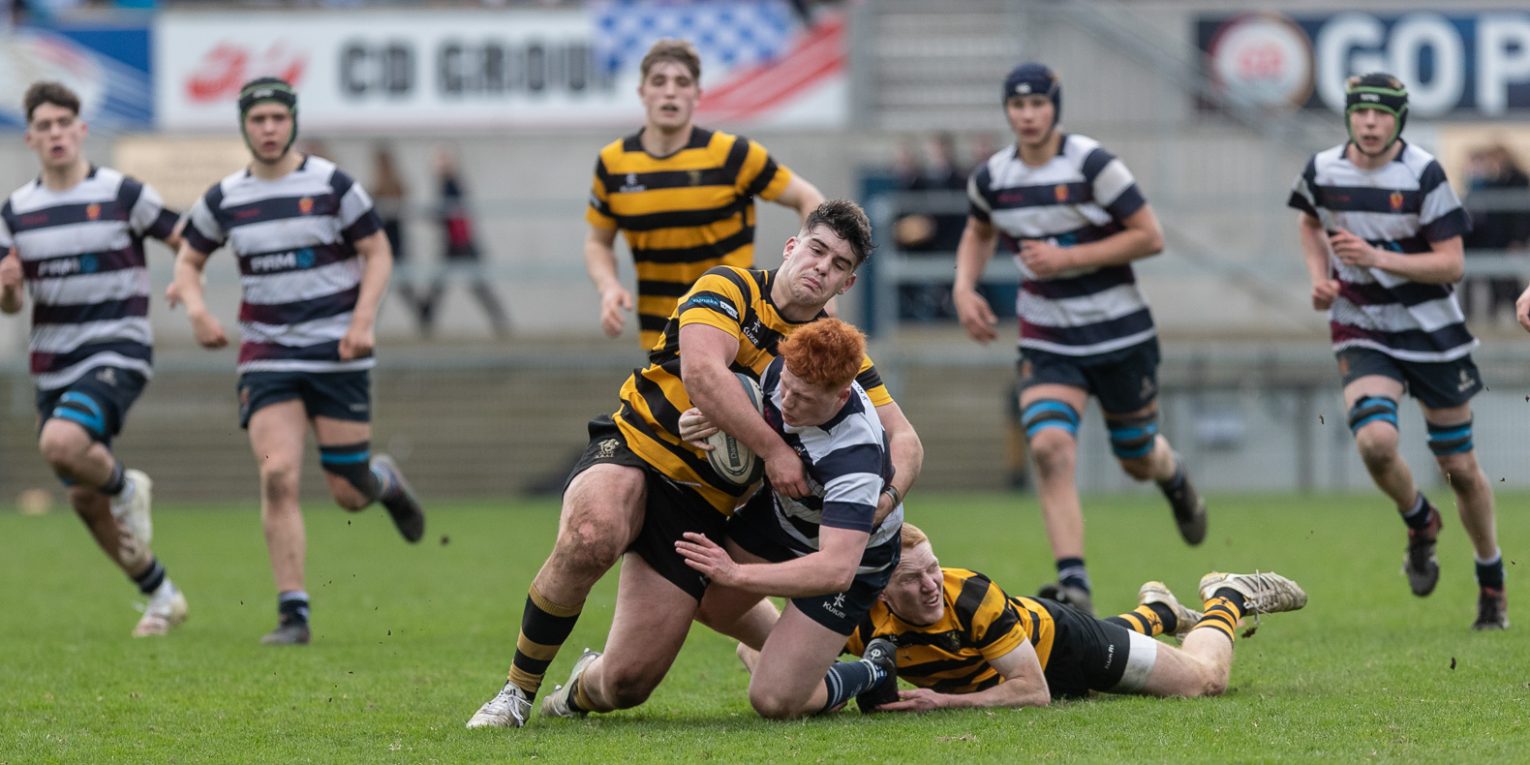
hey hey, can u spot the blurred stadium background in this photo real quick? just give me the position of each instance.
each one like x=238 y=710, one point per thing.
x=1215 y=112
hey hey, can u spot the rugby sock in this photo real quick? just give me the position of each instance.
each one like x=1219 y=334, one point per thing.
x=1071 y=572
x=292 y=606
x=1152 y=619
x=117 y=482
x=579 y=701
x=1174 y=482
x=848 y=679
x=1417 y=517
x=545 y=625
x=1490 y=572
x=151 y=578
x=1222 y=612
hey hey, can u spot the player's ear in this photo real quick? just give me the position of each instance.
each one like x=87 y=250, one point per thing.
x=791 y=244
x=848 y=284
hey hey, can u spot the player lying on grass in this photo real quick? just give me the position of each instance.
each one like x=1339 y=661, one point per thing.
x=966 y=643
x=826 y=551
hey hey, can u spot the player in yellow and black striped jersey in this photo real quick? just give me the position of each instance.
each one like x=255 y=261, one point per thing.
x=963 y=641
x=638 y=488
x=682 y=195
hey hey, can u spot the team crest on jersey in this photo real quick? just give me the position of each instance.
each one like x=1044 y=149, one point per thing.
x=305 y=205
x=1396 y=200
x=606 y=449
x=695 y=177
x=632 y=185
x=1061 y=192
x=93 y=211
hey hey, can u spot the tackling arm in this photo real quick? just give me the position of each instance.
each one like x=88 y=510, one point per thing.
x=829 y=570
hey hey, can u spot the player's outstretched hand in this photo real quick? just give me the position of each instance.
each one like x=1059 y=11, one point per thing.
x=708 y=558
x=1522 y=309
x=208 y=331
x=916 y=700
x=615 y=304
x=357 y=343
x=976 y=316
x=695 y=429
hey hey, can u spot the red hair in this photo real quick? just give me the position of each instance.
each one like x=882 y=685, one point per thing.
x=826 y=353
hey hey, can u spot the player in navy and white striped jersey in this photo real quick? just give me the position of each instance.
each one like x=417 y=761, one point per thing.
x=1381 y=232
x=1073 y=216
x=314 y=264
x=75 y=238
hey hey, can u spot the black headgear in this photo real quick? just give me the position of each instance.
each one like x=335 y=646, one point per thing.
x=1033 y=78
x=1380 y=91
x=261 y=90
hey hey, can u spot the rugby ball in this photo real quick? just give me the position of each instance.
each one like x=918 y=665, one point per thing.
x=730 y=458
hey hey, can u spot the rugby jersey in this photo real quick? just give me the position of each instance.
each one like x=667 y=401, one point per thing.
x=736 y=301
x=847 y=464
x=954 y=655
x=82 y=255
x=295 y=240
x=1401 y=207
x=1080 y=195
x=682 y=214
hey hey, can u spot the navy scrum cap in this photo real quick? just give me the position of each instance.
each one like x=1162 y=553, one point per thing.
x=1033 y=78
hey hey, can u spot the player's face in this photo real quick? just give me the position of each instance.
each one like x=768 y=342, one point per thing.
x=670 y=95
x=804 y=404
x=915 y=591
x=269 y=128
x=1372 y=129
x=56 y=134
x=1030 y=116
x=816 y=266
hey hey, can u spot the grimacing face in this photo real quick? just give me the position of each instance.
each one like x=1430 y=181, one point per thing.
x=916 y=592
x=669 y=94
x=56 y=134
x=817 y=265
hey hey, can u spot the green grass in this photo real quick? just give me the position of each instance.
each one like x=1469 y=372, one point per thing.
x=410 y=640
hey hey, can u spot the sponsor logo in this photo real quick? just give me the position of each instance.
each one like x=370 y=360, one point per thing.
x=836 y=606
x=606 y=449
x=93 y=211
x=715 y=303
x=222 y=70
x=1148 y=388
x=1110 y=656
x=282 y=261
x=107 y=376
x=1466 y=382
x=632 y=186
x=694 y=176
x=88 y=263
x=752 y=331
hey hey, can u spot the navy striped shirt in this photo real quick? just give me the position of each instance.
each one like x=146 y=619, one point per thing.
x=82 y=255
x=1401 y=207
x=1081 y=195
x=295 y=239
x=847 y=464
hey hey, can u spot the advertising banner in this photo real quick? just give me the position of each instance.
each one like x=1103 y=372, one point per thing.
x=108 y=66
x=371 y=69
x=1460 y=63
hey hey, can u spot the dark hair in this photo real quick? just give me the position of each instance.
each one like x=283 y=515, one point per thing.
x=678 y=51
x=849 y=221
x=50 y=93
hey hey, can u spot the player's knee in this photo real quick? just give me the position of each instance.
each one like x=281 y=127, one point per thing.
x=774 y=706
x=278 y=479
x=1049 y=420
x=61 y=447
x=349 y=470
x=627 y=687
x=588 y=547
x=1132 y=440
x=1054 y=452
x=1451 y=442
x=347 y=497
x=1373 y=420
x=1377 y=445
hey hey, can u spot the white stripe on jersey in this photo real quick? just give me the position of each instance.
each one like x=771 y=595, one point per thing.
x=1109 y=304
x=293 y=286
x=73 y=239
x=327 y=329
x=89 y=289
x=284 y=235
x=63 y=338
x=62 y=377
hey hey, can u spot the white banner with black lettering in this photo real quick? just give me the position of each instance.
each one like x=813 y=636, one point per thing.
x=454 y=68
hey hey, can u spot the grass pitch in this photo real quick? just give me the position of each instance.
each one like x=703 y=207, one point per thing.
x=408 y=641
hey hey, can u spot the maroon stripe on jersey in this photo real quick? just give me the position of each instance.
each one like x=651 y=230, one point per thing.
x=249 y=352
x=132 y=307
x=300 y=311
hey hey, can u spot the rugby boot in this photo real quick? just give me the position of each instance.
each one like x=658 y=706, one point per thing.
x=166 y=609
x=400 y=500
x=882 y=653
x=1263 y=593
x=558 y=703
x=1419 y=562
x=289 y=631
x=1158 y=592
x=1492 y=610
x=1068 y=595
x=1188 y=506
x=510 y=708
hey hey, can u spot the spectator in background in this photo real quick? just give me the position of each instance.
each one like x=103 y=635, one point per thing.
x=388 y=198
x=461 y=253
x=1498 y=224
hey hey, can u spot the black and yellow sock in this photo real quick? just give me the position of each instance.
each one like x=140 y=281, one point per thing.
x=1222 y=612
x=1151 y=619
x=545 y=625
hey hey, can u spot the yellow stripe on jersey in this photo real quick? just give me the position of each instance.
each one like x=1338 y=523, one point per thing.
x=736 y=301
x=955 y=654
x=682 y=214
